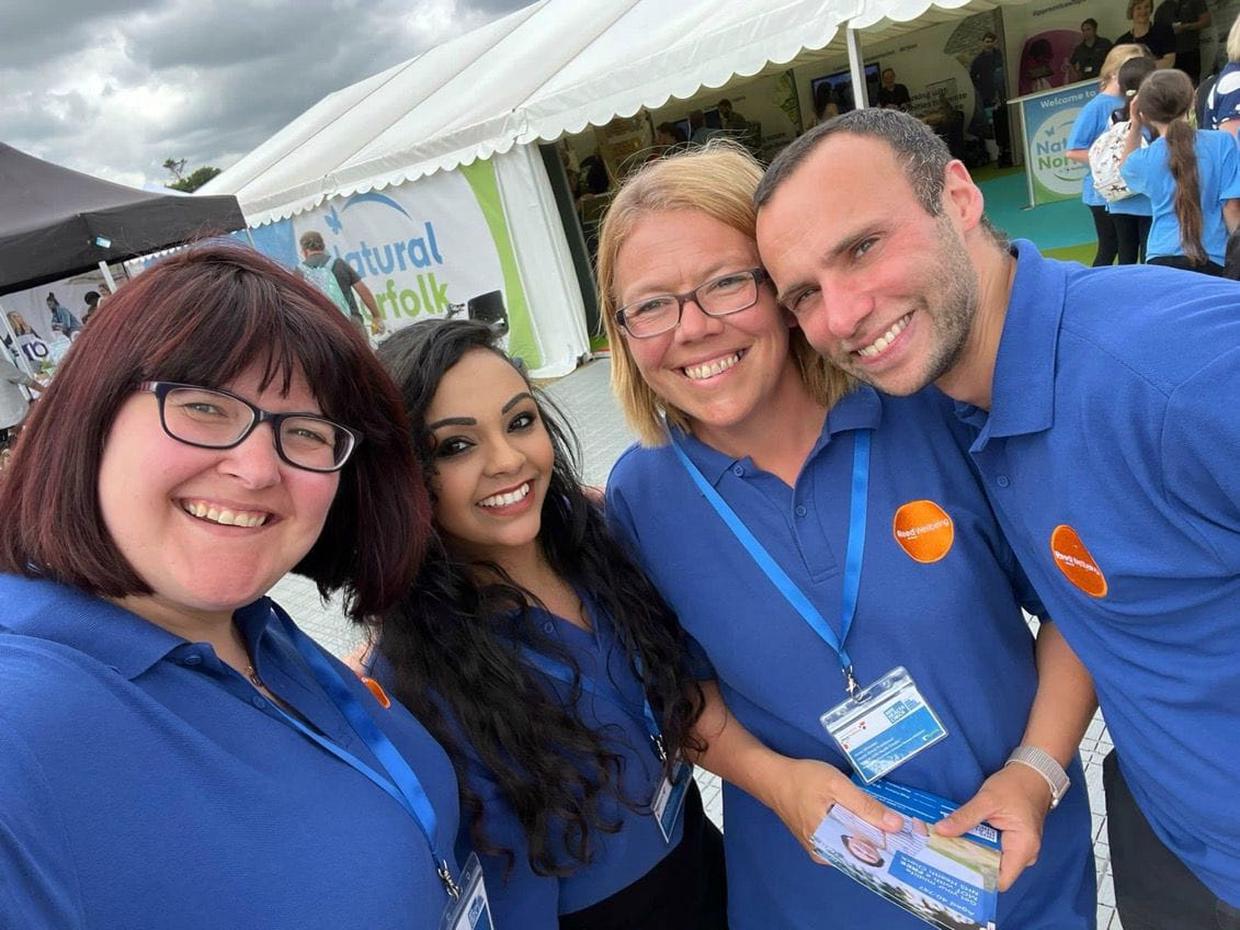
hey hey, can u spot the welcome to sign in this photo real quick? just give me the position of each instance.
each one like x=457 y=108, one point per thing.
x=1047 y=120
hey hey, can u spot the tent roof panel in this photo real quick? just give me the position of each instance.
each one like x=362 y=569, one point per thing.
x=549 y=69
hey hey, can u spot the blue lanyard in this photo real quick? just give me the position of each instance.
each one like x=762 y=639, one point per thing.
x=402 y=783
x=560 y=672
x=786 y=586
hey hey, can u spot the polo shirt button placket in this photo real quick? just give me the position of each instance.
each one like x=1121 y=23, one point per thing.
x=738 y=470
x=801 y=510
x=1003 y=481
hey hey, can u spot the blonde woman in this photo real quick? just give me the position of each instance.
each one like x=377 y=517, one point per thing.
x=859 y=499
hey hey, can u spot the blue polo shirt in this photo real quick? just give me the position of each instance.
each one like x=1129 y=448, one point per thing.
x=519 y=897
x=952 y=619
x=1109 y=454
x=1218 y=179
x=1093 y=121
x=145 y=784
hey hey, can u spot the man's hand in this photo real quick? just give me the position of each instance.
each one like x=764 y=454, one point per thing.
x=808 y=789
x=1015 y=800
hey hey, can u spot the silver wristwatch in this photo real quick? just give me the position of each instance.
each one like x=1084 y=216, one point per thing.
x=1045 y=765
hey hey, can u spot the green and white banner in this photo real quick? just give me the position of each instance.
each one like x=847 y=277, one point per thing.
x=423 y=245
x=1048 y=119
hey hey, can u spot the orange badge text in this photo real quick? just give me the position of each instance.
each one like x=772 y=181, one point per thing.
x=1074 y=560
x=924 y=530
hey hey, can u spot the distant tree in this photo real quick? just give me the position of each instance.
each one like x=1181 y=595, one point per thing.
x=188 y=183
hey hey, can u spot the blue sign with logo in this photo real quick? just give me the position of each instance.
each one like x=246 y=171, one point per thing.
x=1048 y=118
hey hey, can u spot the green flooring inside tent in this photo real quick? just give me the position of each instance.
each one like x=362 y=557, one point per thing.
x=1062 y=230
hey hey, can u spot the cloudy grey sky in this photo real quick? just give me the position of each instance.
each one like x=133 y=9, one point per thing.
x=115 y=87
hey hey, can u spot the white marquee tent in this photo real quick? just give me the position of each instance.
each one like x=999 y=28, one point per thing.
x=550 y=69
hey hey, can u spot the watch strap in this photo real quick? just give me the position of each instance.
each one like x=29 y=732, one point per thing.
x=1045 y=765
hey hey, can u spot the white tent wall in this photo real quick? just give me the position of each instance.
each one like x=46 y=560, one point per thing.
x=543 y=257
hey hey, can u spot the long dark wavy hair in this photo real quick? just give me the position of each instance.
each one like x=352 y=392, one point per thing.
x=1165 y=97
x=453 y=640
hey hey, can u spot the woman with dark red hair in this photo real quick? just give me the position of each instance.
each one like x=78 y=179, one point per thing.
x=174 y=751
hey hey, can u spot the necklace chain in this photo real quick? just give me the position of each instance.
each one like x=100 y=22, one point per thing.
x=252 y=674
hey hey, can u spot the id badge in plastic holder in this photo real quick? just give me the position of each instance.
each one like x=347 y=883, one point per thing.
x=472 y=910
x=669 y=798
x=883 y=726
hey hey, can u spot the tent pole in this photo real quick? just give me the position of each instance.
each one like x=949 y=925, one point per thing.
x=107 y=276
x=250 y=236
x=21 y=356
x=856 y=68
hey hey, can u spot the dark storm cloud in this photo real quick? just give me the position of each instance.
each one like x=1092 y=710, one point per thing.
x=114 y=87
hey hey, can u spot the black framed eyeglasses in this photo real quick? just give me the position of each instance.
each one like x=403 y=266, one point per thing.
x=721 y=296
x=214 y=419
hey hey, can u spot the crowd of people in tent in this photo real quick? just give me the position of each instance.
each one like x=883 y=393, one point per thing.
x=1162 y=177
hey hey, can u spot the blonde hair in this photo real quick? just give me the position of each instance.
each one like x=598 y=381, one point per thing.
x=718 y=180
x=1115 y=60
x=1233 y=41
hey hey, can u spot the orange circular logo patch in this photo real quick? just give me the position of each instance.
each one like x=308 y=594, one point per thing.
x=924 y=530
x=1074 y=560
x=377 y=690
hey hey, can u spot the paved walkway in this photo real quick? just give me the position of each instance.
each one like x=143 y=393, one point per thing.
x=585 y=398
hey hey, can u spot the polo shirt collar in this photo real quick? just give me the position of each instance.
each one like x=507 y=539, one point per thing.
x=1022 y=395
x=860 y=409
x=98 y=628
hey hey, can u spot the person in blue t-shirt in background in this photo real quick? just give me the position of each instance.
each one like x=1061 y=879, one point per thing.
x=1192 y=176
x=1119 y=233
x=62 y=317
x=1132 y=215
x=544 y=661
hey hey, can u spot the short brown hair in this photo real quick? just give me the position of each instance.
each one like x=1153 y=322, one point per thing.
x=203 y=317
x=922 y=153
x=718 y=180
x=312 y=241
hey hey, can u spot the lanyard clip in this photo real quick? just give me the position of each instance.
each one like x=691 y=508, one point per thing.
x=850 y=682
x=449 y=884
x=659 y=748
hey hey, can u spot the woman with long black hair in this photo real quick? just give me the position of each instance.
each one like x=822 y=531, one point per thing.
x=544 y=661
x=1191 y=176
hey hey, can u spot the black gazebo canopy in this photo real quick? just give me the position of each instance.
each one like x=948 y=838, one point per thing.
x=55 y=222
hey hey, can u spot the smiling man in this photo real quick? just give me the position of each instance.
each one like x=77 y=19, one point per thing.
x=1106 y=427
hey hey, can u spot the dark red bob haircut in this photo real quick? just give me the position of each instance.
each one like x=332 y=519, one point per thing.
x=204 y=316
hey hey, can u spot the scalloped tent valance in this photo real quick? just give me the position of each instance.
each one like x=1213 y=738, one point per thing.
x=549 y=69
